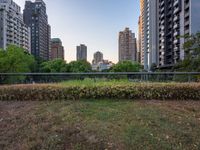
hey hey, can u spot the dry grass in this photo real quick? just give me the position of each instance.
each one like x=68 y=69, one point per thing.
x=102 y=124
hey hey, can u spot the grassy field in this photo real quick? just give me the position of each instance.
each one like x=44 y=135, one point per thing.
x=100 y=125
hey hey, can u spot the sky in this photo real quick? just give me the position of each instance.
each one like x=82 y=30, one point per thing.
x=95 y=23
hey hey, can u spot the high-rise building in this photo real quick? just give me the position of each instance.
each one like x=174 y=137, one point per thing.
x=141 y=32
x=162 y=23
x=35 y=17
x=57 y=50
x=98 y=57
x=81 y=52
x=127 y=45
x=148 y=33
x=13 y=30
x=176 y=18
x=139 y=42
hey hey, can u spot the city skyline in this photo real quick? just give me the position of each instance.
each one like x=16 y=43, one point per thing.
x=95 y=24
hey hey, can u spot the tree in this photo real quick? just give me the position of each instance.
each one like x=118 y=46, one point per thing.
x=54 y=66
x=126 y=66
x=79 y=66
x=15 y=60
x=191 y=61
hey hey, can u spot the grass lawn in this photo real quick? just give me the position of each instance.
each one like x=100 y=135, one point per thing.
x=100 y=125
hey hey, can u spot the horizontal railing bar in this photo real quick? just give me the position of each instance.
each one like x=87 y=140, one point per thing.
x=101 y=73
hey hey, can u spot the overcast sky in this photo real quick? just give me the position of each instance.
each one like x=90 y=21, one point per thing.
x=95 y=23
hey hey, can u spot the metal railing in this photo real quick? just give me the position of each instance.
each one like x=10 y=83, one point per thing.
x=27 y=78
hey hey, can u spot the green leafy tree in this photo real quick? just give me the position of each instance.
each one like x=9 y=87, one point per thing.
x=126 y=66
x=192 y=54
x=15 y=60
x=79 y=66
x=54 y=66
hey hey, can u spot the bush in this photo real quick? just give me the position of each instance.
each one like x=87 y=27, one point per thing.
x=38 y=92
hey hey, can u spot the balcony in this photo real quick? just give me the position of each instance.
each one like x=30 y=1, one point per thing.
x=176 y=3
x=176 y=26
x=176 y=33
x=187 y=5
x=187 y=23
x=187 y=14
x=176 y=41
x=175 y=18
x=176 y=10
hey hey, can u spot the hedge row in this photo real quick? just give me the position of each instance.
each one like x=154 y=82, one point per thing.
x=132 y=92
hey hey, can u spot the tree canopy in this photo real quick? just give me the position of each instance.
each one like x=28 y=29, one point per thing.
x=54 y=66
x=79 y=66
x=16 y=60
x=126 y=66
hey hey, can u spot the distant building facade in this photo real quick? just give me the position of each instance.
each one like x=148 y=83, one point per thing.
x=36 y=18
x=127 y=45
x=13 y=30
x=57 y=50
x=81 y=52
x=148 y=33
x=139 y=42
x=102 y=65
x=98 y=57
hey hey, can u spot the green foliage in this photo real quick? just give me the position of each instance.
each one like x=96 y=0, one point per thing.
x=126 y=66
x=191 y=63
x=79 y=66
x=15 y=60
x=171 y=91
x=54 y=66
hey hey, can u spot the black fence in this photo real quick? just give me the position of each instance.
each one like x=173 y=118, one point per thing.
x=29 y=78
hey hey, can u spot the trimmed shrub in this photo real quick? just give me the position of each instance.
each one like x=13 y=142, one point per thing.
x=156 y=91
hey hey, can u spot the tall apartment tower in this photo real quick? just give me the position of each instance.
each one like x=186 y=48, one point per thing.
x=98 y=57
x=148 y=33
x=141 y=33
x=13 y=30
x=139 y=42
x=162 y=23
x=176 y=18
x=36 y=18
x=81 y=52
x=57 y=50
x=127 y=45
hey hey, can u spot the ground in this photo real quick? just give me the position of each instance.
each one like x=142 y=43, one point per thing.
x=100 y=125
